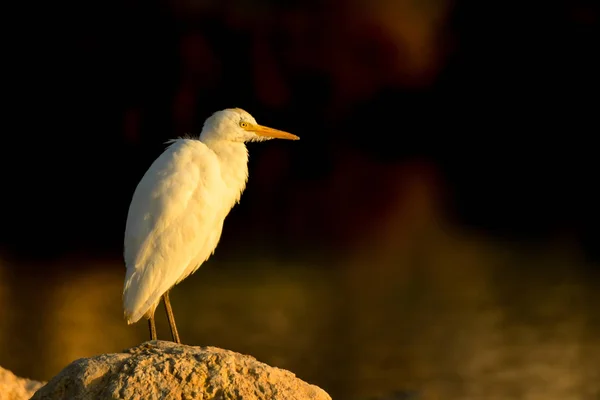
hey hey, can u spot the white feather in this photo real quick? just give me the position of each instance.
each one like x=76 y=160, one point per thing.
x=177 y=212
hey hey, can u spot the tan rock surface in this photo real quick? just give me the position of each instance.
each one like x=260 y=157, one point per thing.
x=165 y=370
x=14 y=388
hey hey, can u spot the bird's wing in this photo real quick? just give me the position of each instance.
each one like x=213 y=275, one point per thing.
x=174 y=209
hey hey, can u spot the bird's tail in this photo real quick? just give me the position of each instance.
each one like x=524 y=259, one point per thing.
x=141 y=294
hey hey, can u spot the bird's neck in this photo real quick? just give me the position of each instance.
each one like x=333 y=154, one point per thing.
x=233 y=157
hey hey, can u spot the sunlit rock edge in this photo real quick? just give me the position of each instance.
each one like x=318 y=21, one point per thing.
x=14 y=388
x=160 y=369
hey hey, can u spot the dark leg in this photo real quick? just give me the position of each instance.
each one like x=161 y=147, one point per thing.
x=152 y=327
x=171 y=317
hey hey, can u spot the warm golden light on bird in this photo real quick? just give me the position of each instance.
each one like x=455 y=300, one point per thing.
x=178 y=208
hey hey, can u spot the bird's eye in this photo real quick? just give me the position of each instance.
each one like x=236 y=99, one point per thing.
x=243 y=124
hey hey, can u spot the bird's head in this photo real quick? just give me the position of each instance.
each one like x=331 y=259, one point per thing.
x=236 y=125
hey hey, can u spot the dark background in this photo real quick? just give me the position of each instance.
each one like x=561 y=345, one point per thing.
x=486 y=111
x=499 y=100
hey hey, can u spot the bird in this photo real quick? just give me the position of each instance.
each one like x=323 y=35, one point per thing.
x=178 y=208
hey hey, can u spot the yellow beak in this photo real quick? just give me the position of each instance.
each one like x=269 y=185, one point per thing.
x=270 y=132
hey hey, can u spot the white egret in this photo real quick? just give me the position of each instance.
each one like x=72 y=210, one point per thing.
x=178 y=208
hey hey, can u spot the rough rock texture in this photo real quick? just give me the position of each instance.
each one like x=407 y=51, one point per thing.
x=14 y=388
x=165 y=370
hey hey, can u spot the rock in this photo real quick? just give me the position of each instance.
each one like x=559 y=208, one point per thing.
x=165 y=370
x=14 y=388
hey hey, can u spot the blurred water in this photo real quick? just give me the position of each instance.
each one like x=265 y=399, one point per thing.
x=450 y=318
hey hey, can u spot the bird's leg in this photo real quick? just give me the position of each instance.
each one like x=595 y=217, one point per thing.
x=152 y=327
x=171 y=318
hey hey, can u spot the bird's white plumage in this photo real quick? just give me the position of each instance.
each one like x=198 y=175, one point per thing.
x=177 y=212
x=174 y=201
